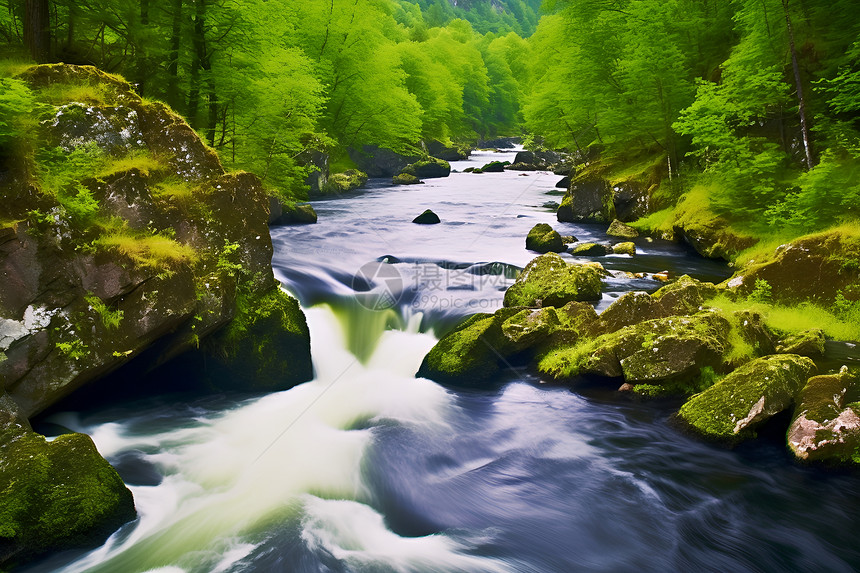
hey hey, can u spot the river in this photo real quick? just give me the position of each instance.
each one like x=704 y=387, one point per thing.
x=368 y=469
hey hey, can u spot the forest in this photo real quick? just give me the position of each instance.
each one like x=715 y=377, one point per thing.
x=746 y=109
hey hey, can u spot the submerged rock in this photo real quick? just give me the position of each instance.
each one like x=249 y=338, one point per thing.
x=428 y=217
x=544 y=239
x=825 y=427
x=550 y=281
x=734 y=407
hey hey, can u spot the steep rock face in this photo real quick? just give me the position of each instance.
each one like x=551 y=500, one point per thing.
x=150 y=242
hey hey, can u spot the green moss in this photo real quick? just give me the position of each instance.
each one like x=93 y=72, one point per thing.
x=793 y=319
x=346 y=181
x=109 y=318
x=731 y=409
x=57 y=494
x=550 y=281
x=405 y=179
x=266 y=346
x=543 y=239
x=627 y=248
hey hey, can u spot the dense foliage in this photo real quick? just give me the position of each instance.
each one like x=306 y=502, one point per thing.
x=266 y=81
x=748 y=108
x=754 y=101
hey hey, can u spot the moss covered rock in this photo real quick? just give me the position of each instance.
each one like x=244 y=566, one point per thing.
x=550 y=281
x=544 y=239
x=291 y=213
x=826 y=424
x=627 y=248
x=142 y=264
x=428 y=217
x=530 y=326
x=587 y=200
x=732 y=408
x=670 y=351
x=472 y=353
x=349 y=180
x=619 y=229
x=807 y=343
x=405 y=179
x=590 y=250
x=265 y=347
x=495 y=167
x=428 y=168
x=56 y=495
x=834 y=256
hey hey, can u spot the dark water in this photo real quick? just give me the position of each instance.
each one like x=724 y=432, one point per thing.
x=367 y=469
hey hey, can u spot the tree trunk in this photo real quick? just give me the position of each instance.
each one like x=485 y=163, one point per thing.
x=37 y=29
x=173 y=64
x=199 y=54
x=801 y=102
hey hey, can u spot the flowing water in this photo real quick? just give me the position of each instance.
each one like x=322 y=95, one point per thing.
x=368 y=469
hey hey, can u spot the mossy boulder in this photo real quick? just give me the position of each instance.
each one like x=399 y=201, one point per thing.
x=428 y=217
x=405 y=179
x=812 y=268
x=291 y=213
x=142 y=268
x=807 y=343
x=472 y=353
x=590 y=250
x=712 y=236
x=349 y=180
x=266 y=347
x=544 y=239
x=684 y=297
x=495 y=167
x=550 y=281
x=826 y=424
x=529 y=326
x=622 y=230
x=672 y=352
x=56 y=495
x=428 y=168
x=587 y=200
x=734 y=407
x=453 y=152
x=626 y=248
